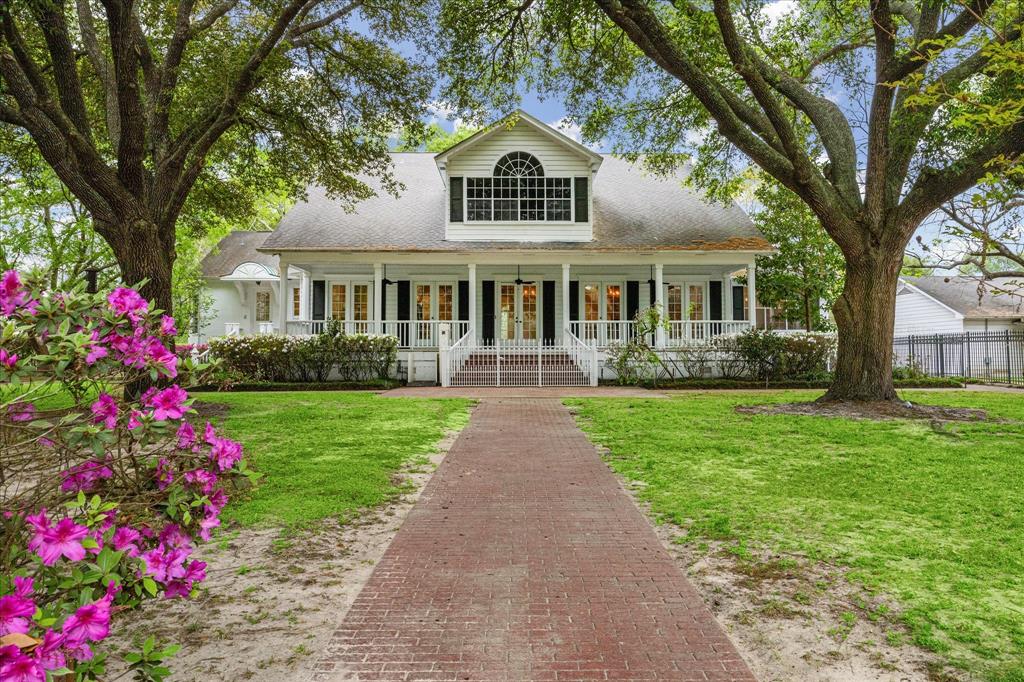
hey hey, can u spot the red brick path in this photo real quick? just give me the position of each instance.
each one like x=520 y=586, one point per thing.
x=525 y=560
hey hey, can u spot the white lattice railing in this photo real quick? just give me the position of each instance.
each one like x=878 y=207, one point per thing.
x=410 y=333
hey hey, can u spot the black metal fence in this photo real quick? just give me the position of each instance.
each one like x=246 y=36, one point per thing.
x=985 y=356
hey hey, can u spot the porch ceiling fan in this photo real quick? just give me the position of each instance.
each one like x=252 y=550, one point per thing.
x=520 y=280
x=384 y=280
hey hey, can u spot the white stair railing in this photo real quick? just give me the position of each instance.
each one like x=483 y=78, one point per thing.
x=583 y=356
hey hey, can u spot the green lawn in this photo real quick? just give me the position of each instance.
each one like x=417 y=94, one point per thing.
x=934 y=519
x=328 y=453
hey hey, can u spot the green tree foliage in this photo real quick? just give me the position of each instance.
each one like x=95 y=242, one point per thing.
x=156 y=114
x=874 y=114
x=434 y=139
x=807 y=267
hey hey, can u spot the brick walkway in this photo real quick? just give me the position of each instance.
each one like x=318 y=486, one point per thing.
x=525 y=560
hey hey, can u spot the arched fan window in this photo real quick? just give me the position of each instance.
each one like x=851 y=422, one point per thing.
x=517 y=191
x=518 y=165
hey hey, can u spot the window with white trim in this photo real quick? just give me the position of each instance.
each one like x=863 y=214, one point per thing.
x=519 y=191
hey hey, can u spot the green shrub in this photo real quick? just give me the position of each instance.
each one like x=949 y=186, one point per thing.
x=273 y=358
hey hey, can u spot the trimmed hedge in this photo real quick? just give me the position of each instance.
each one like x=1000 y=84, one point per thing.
x=740 y=384
x=305 y=359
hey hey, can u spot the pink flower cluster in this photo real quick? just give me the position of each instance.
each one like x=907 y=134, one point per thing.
x=88 y=624
x=14 y=296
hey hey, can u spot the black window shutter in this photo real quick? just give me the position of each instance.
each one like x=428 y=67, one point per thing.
x=738 y=310
x=574 y=300
x=488 y=311
x=455 y=200
x=383 y=301
x=319 y=296
x=715 y=289
x=403 y=311
x=581 y=190
x=549 y=312
x=632 y=299
x=650 y=289
x=463 y=299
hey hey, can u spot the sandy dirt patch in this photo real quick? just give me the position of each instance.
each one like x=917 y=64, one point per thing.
x=273 y=596
x=797 y=620
x=870 y=410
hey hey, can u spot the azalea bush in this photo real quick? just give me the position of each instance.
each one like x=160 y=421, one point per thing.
x=331 y=354
x=102 y=497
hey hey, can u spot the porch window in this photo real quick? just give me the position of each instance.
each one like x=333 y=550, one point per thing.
x=696 y=301
x=360 y=302
x=517 y=191
x=675 y=302
x=423 y=302
x=338 y=301
x=263 y=306
x=445 y=301
x=296 y=302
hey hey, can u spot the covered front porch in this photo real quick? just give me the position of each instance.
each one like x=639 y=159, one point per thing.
x=523 y=304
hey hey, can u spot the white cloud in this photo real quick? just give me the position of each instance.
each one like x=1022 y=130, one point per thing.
x=775 y=11
x=573 y=130
x=440 y=112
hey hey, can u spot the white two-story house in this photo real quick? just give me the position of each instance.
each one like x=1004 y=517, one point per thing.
x=517 y=249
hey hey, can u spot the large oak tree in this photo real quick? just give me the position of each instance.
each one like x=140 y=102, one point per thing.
x=874 y=113
x=156 y=111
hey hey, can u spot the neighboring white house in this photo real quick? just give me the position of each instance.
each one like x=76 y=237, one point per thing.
x=515 y=240
x=952 y=305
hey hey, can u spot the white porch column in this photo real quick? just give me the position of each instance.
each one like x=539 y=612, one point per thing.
x=727 y=296
x=472 y=301
x=752 y=294
x=566 y=307
x=282 y=296
x=378 y=297
x=659 y=294
x=304 y=296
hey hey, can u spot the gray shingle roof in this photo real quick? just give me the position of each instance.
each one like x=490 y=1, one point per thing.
x=237 y=248
x=632 y=209
x=961 y=294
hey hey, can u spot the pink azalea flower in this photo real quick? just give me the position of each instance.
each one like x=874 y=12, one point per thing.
x=96 y=352
x=39 y=521
x=225 y=452
x=64 y=539
x=15 y=614
x=125 y=539
x=125 y=301
x=21 y=412
x=134 y=420
x=85 y=476
x=173 y=536
x=90 y=623
x=8 y=360
x=49 y=652
x=169 y=403
x=147 y=396
x=203 y=479
x=13 y=295
x=186 y=436
x=164 y=474
x=167 y=327
x=104 y=411
x=17 y=667
x=209 y=434
x=45 y=442
x=195 y=572
x=165 y=564
x=80 y=651
x=218 y=500
x=159 y=355
x=208 y=524
x=23 y=587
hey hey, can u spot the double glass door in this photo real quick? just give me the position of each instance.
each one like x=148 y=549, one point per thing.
x=603 y=307
x=517 y=312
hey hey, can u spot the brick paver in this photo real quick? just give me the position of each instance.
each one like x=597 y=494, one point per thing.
x=525 y=560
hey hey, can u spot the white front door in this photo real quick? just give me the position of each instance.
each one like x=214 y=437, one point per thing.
x=603 y=307
x=517 y=312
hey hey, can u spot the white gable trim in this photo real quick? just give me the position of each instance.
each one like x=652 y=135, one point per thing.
x=910 y=286
x=595 y=159
x=249 y=271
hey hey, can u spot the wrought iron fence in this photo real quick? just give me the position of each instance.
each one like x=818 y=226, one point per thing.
x=997 y=357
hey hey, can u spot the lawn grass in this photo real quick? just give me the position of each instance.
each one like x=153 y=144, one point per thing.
x=932 y=518
x=328 y=454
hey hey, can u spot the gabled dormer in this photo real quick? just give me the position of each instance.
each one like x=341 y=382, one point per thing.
x=519 y=180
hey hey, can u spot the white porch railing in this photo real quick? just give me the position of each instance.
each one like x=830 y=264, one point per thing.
x=410 y=333
x=582 y=355
x=453 y=359
x=603 y=333
x=688 y=331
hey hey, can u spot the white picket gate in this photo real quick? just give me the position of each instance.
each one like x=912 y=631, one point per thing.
x=518 y=363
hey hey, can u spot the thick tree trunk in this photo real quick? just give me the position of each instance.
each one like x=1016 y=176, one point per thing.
x=865 y=313
x=144 y=257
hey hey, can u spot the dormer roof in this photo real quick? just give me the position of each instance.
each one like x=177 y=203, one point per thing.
x=506 y=122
